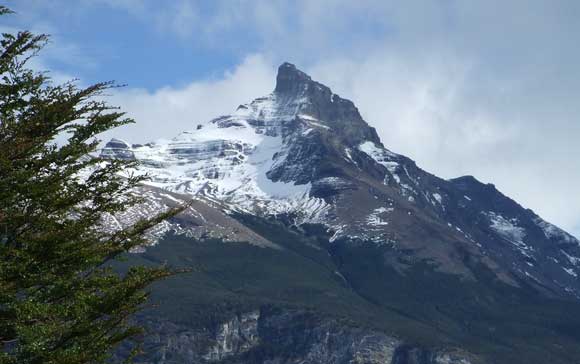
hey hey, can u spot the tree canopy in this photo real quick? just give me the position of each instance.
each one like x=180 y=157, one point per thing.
x=60 y=301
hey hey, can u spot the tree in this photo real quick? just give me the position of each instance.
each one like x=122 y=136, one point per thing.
x=60 y=301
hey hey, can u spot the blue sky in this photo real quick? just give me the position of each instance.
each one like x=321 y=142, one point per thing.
x=488 y=88
x=102 y=42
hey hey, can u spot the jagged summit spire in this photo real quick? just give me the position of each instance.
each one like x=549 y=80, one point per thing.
x=297 y=94
x=290 y=78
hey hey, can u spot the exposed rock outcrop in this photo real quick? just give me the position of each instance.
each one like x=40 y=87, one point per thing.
x=275 y=336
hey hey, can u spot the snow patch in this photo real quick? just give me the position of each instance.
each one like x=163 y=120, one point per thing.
x=313 y=121
x=438 y=197
x=382 y=156
x=574 y=260
x=508 y=230
x=374 y=219
x=348 y=154
x=555 y=233
x=570 y=272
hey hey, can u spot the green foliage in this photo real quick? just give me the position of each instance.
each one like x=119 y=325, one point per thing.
x=60 y=302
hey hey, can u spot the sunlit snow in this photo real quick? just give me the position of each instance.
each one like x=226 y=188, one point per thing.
x=229 y=158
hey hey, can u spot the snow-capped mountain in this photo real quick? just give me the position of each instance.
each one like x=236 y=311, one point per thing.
x=425 y=270
x=305 y=152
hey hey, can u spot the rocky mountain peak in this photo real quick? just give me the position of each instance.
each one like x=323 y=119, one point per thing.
x=318 y=106
x=290 y=79
x=117 y=149
x=294 y=86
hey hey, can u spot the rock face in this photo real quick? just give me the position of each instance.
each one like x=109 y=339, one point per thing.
x=277 y=336
x=340 y=224
x=117 y=149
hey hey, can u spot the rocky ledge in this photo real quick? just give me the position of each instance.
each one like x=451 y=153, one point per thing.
x=283 y=336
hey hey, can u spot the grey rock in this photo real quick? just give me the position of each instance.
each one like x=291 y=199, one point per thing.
x=117 y=149
x=277 y=336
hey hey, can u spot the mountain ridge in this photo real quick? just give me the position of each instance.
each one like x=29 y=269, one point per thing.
x=307 y=152
x=339 y=224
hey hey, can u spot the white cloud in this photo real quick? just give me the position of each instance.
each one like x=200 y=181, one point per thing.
x=167 y=111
